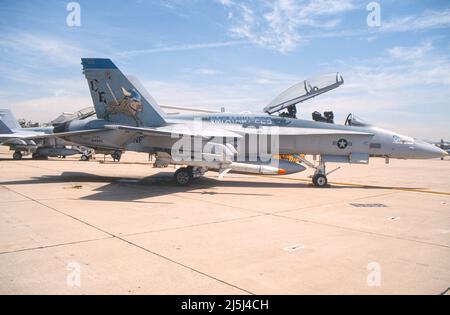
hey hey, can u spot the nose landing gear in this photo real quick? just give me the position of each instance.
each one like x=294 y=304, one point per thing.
x=319 y=179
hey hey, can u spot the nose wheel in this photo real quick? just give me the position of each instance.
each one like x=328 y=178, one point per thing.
x=319 y=180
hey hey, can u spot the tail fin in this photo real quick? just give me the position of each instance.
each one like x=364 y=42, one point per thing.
x=8 y=122
x=118 y=100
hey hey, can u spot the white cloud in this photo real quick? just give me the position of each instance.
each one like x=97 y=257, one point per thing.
x=410 y=53
x=176 y=48
x=45 y=109
x=38 y=46
x=278 y=24
x=427 y=20
x=207 y=71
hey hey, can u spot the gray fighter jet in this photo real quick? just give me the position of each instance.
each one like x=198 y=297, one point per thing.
x=36 y=141
x=444 y=145
x=128 y=118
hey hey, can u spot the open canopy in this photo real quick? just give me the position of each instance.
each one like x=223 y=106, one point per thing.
x=303 y=91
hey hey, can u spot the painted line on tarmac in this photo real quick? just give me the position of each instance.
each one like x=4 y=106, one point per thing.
x=418 y=190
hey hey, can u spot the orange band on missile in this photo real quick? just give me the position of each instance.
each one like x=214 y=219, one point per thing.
x=281 y=171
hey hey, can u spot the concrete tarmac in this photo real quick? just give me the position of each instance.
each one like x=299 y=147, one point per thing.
x=72 y=227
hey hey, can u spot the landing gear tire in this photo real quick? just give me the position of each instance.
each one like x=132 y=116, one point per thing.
x=84 y=157
x=183 y=176
x=116 y=156
x=17 y=155
x=320 y=180
x=37 y=156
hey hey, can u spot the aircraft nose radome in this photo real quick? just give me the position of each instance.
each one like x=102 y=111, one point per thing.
x=431 y=151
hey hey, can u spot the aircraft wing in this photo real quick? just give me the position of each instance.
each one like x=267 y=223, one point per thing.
x=205 y=133
x=235 y=132
x=178 y=130
x=22 y=136
x=303 y=91
x=62 y=134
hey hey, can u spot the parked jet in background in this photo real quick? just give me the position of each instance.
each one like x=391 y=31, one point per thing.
x=34 y=140
x=444 y=145
x=66 y=118
x=128 y=118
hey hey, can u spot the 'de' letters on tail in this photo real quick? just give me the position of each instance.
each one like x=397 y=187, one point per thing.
x=118 y=100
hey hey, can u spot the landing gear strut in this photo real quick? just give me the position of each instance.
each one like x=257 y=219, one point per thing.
x=319 y=178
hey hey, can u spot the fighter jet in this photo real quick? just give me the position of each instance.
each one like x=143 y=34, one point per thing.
x=444 y=145
x=37 y=140
x=128 y=118
x=88 y=153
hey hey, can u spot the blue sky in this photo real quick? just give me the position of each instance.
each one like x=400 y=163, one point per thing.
x=236 y=54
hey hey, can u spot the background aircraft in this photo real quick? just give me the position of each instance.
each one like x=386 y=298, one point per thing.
x=128 y=118
x=35 y=140
x=444 y=145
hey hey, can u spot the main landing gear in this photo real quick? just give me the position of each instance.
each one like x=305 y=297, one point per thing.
x=185 y=175
x=37 y=156
x=116 y=155
x=17 y=155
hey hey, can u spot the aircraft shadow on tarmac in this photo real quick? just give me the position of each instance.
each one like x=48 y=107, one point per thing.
x=131 y=189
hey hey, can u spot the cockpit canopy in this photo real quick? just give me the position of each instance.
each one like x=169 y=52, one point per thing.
x=66 y=117
x=353 y=120
x=303 y=91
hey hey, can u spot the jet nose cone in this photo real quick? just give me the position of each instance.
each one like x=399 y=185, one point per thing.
x=430 y=151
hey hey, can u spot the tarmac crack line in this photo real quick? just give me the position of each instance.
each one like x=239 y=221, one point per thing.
x=133 y=244
x=276 y=214
x=55 y=245
x=364 y=186
x=194 y=225
x=361 y=231
x=33 y=166
x=445 y=291
x=281 y=211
